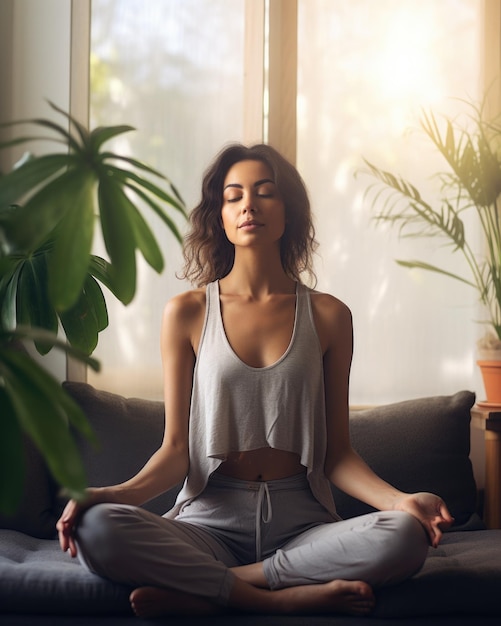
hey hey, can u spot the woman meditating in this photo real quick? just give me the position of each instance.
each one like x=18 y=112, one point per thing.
x=256 y=370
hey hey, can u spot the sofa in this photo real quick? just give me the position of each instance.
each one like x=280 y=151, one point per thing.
x=419 y=445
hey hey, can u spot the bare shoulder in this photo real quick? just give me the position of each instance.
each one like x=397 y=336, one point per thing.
x=329 y=309
x=186 y=305
x=332 y=317
x=184 y=313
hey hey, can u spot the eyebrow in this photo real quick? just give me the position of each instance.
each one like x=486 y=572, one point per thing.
x=258 y=183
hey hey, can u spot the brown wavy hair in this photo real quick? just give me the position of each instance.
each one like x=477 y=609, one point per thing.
x=209 y=255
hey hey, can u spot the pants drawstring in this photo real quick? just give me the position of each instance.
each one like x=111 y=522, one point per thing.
x=264 y=514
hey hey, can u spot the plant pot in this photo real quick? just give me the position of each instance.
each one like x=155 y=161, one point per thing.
x=491 y=374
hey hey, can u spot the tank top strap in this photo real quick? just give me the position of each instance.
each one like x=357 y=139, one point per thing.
x=305 y=319
x=212 y=308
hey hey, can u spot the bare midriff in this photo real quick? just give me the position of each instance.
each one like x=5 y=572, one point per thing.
x=262 y=464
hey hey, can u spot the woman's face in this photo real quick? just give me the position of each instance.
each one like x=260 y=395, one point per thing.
x=253 y=212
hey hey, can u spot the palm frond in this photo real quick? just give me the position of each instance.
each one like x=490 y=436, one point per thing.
x=470 y=184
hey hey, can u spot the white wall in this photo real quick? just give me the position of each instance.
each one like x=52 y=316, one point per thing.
x=35 y=38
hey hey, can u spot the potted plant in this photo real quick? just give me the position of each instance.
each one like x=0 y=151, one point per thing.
x=471 y=184
x=49 y=207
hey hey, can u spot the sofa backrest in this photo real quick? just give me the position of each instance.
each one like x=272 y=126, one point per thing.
x=417 y=445
x=129 y=431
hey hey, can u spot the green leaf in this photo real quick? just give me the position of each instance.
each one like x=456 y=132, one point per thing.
x=75 y=417
x=432 y=268
x=80 y=326
x=11 y=458
x=158 y=210
x=32 y=303
x=82 y=131
x=124 y=175
x=101 y=135
x=8 y=296
x=86 y=318
x=42 y=313
x=97 y=302
x=175 y=191
x=67 y=138
x=145 y=240
x=103 y=271
x=26 y=289
x=131 y=161
x=119 y=239
x=38 y=334
x=30 y=225
x=43 y=410
x=19 y=182
x=69 y=260
x=19 y=140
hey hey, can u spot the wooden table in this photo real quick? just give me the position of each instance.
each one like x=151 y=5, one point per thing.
x=488 y=419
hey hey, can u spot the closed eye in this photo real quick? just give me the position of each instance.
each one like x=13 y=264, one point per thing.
x=266 y=189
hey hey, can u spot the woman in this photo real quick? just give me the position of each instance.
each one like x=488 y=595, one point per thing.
x=256 y=370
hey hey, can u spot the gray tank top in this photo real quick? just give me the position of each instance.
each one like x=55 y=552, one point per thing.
x=237 y=408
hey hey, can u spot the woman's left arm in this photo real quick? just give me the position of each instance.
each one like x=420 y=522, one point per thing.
x=343 y=466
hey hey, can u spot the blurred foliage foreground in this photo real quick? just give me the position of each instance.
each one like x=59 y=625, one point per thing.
x=50 y=206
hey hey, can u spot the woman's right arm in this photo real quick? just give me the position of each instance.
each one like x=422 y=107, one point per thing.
x=168 y=466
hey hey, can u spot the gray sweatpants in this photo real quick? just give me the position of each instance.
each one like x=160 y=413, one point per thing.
x=235 y=522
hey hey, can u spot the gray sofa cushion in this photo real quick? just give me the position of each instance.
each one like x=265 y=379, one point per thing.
x=462 y=576
x=129 y=431
x=426 y=444
x=37 y=577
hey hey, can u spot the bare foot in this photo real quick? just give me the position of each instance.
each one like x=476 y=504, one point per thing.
x=150 y=602
x=338 y=596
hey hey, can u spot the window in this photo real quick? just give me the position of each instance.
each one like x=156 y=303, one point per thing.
x=364 y=69
x=179 y=82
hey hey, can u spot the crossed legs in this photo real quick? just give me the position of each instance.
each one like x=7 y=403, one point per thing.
x=179 y=569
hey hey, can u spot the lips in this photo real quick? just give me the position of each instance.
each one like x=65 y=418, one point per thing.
x=250 y=224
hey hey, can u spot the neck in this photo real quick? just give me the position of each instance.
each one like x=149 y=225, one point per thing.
x=257 y=276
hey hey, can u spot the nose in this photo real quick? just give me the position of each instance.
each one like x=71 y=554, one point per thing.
x=248 y=205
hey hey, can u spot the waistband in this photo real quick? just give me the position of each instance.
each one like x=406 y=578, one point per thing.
x=264 y=509
x=299 y=481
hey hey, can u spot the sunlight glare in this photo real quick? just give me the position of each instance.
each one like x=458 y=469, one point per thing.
x=404 y=68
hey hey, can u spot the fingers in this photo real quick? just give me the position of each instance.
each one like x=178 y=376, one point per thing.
x=430 y=531
x=63 y=540
x=68 y=544
x=432 y=512
x=72 y=547
x=438 y=525
x=446 y=515
x=66 y=541
x=65 y=527
x=435 y=535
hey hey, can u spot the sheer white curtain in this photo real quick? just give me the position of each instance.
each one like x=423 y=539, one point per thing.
x=173 y=69
x=365 y=69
